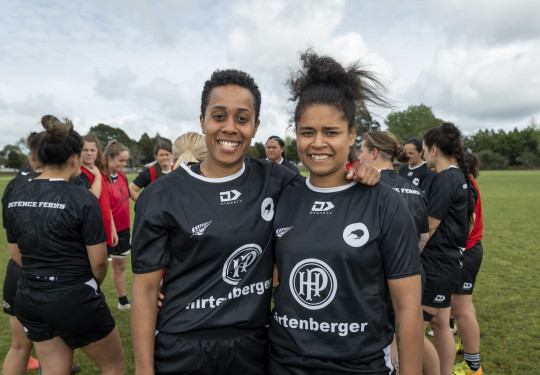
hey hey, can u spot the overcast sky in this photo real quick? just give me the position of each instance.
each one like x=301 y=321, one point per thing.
x=141 y=65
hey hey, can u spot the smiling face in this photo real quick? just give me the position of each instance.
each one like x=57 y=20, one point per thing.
x=118 y=163
x=89 y=154
x=228 y=126
x=415 y=156
x=323 y=142
x=273 y=150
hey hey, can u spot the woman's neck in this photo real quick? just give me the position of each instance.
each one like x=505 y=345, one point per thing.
x=416 y=164
x=214 y=170
x=87 y=166
x=443 y=163
x=55 y=173
x=382 y=164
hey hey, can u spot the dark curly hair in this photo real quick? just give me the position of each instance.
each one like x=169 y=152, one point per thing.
x=322 y=80
x=447 y=138
x=58 y=142
x=231 y=77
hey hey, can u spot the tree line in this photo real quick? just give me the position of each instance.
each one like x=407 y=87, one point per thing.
x=495 y=149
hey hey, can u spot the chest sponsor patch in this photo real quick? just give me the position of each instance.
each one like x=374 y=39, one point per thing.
x=239 y=262
x=313 y=283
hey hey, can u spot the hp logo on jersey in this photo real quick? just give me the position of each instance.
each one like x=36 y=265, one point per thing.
x=230 y=197
x=239 y=262
x=321 y=208
x=313 y=284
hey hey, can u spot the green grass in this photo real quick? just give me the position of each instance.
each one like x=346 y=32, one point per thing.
x=506 y=294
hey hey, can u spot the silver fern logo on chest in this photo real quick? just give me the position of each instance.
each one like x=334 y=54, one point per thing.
x=281 y=231
x=198 y=230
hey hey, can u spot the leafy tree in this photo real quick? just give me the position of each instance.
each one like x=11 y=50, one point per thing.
x=363 y=122
x=253 y=153
x=413 y=122
x=16 y=159
x=146 y=148
x=291 y=150
x=106 y=134
x=260 y=150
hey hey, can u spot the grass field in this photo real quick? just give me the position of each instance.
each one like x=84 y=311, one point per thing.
x=507 y=293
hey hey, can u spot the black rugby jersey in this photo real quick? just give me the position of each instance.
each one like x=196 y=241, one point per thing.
x=335 y=249
x=214 y=239
x=447 y=201
x=414 y=198
x=421 y=175
x=52 y=221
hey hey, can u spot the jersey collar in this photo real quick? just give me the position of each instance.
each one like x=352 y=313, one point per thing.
x=329 y=190
x=214 y=180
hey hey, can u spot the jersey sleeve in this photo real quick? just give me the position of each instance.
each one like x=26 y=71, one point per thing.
x=143 y=179
x=439 y=197
x=150 y=250
x=399 y=244
x=92 y=229
x=11 y=237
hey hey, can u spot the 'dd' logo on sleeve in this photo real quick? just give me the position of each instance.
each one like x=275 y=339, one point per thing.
x=239 y=263
x=313 y=284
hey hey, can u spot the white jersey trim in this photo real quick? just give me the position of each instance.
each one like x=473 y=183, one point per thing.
x=215 y=180
x=418 y=166
x=329 y=190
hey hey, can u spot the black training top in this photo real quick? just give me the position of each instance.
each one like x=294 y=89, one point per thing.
x=447 y=201
x=335 y=249
x=213 y=236
x=52 y=221
x=414 y=198
x=289 y=165
x=421 y=175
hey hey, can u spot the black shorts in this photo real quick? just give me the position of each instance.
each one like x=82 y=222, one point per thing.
x=285 y=362
x=78 y=315
x=212 y=355
x=472 y=260
x=438 y=290
x=13 y=274
x=123 y=248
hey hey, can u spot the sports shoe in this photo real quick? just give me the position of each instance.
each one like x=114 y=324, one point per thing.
x=464 y=369
x=126 y=306
x=75 y=369
x=33 y=364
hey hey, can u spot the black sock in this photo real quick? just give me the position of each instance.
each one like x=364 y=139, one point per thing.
x=473 y=360
x=123 y=300
x=452 y=324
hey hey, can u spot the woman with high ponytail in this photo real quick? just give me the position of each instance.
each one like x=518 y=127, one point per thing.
x=451 y=215
x=340 y=246
x=55 y=232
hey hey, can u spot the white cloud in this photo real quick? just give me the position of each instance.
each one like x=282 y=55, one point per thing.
x=35 y=105
x=117 y=85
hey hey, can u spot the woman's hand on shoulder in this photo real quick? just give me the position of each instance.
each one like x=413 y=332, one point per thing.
x=94 y=170
x=364 y=173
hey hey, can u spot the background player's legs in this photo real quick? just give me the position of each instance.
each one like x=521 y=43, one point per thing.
x=119 y=275
x=444 y=340
x=55 y=357
x=16 y=360
x=107 y=353
x=431 y=364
